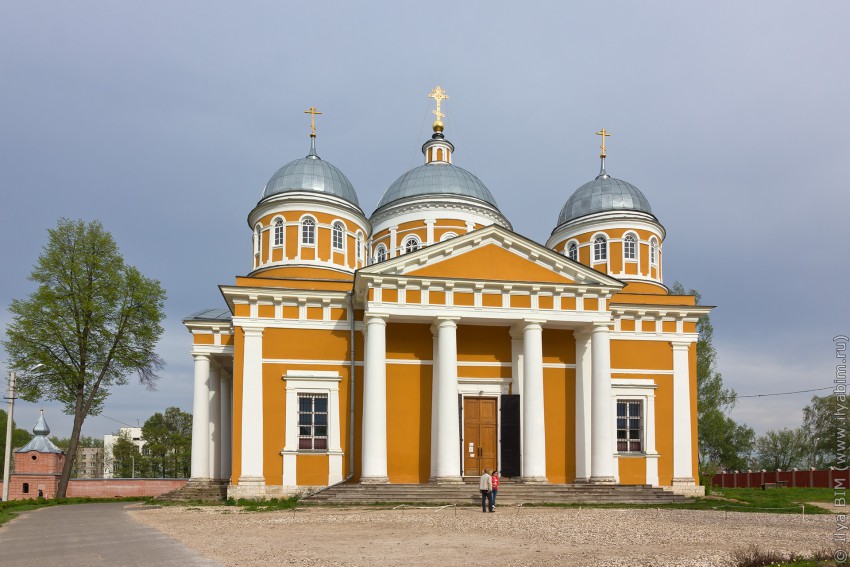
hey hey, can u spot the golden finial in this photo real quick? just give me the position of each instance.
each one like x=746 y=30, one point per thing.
x=312 y=112
x=439 y=95
x=604 y=135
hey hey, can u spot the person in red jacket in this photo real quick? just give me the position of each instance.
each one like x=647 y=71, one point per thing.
x=496 y=479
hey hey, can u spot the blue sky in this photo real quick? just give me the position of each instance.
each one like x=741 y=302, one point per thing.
x=164 y=120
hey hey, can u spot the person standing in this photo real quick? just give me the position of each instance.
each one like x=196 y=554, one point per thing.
x=496 y=481
x=486 y=487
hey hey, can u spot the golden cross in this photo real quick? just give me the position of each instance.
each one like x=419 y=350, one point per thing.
x=312 y=112
x=439 y=95
x=604 y=135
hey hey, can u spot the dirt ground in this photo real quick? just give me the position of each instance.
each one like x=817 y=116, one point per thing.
x=466 y=536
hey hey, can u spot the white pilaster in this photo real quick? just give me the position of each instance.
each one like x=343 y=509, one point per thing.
x=374 y=463
x=682 y=447
x=393 y=242
x=448 y=435
x=534 y=425
x=651 y=453
x=516 y=373
x=435 y=399
x=226 y=388
x=252 y=408
x=583 y=404
x=429 y=231
x=200 y=418
x=602 y=418
x=215 y=422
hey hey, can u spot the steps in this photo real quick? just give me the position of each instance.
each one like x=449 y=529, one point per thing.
x=510 y=493
x=206 y=490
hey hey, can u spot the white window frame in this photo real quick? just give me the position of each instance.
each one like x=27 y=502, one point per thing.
x=312 y=382
x=302 y=236
x=407 y=242
x=653 y=251
x=447 y=235
x=636 y=245
x=380 y=253
x=258 y=240
x=279 y=229
x=359 y=244
x=629 y=403
x=642 y=389
x=338 y=235
x=567 y=249
x=596 y=249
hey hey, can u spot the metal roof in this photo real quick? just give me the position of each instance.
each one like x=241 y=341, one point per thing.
x=605 y=193
x=311 y=173
x=212 y=314
x=40 y=442
x=437 y=178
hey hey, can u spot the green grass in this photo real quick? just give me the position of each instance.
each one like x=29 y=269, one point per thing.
x=10 y=509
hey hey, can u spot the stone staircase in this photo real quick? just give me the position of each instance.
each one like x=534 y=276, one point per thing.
x=510 y=493
x=206 y=490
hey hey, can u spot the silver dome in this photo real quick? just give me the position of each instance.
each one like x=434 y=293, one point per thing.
x=311 y=173
x=605 y=193
x=437 y=179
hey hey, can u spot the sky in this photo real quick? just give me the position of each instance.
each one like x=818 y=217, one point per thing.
x=164 y=120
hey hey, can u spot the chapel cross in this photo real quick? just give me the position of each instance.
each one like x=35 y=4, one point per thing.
x=439 y=95
x=604 y=135
x=312 y=112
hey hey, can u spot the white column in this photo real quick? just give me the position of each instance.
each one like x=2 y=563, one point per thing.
x=534 y=425
x=252 y=408
x=215 y=422
x=334 y=440
x=225 y=387
x=583 y=413
x=435 y=399
x=448 y=435
x=682 y=446
x=374 y=463
x=602 y=418
x=201 y=418
x=651 y=454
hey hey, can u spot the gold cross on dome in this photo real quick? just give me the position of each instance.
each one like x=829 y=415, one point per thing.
x=312 y=112
x=439 y=95
x=604 y=135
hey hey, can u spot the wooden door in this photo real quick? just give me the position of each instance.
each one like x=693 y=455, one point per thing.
x=480 y=424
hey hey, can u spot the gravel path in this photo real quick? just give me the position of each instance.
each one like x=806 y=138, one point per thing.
x=510 y=536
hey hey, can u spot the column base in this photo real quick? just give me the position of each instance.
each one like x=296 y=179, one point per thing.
x=686 y=487
x=581 y=480
x=534 y=480
x=374 y=480
x=445 y=480
x=602 y=480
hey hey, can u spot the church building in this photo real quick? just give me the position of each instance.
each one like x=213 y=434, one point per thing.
x=428 y=341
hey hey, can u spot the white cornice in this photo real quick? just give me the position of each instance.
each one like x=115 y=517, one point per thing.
x=414 y=207
x=608 y=220
x=309 y=201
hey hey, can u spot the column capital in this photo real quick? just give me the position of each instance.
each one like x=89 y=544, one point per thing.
x=516 y=332
x=532 y=323
x=582 y=333
x=600 y=326
x=202 y=356
x=253 y=331
x=680 y=345
x=444 y=321
x=376 y=319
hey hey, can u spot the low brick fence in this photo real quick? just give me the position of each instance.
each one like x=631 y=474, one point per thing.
x=828 y=478
x=120 y=487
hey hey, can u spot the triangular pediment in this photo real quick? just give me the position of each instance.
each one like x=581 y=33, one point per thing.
x=492 y=253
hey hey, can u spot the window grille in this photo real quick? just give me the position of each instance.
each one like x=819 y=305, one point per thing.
x=313 y=422
x=278 y=232
x=308 y=231
x=338 y=236
x=629 y=426
x=600 y=249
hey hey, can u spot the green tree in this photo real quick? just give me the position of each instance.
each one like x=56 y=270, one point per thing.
x=721 y=441
x=826 y=422
x=92 y=321
x=168 y=438
x=20 y=437
x=783 y=449
x=126 y=458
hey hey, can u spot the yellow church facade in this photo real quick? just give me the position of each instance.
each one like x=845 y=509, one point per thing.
x=428 y=341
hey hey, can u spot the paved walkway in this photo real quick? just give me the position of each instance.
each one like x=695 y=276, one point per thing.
x=90 y=535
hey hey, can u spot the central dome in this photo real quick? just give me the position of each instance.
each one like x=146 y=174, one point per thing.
x=311 y=173
x=605 y=193
x=437 y=178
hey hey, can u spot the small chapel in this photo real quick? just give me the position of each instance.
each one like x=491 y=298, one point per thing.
x=428 y=341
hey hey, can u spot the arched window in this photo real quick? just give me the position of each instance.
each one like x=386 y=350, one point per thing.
x=572 y=251
x=600 y=249
x=278 y=232
x=338 y=236
x=359 y=246
x=258 y=243
x=411 y=245
x=381 y=253
x=630 y=247
x=447 y=236
x=308 y=231
x=653 y=251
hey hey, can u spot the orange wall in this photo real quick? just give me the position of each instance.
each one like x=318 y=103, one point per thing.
x=483 y=344
x=238 y=361
x=649 y=355
x=408 y=423
x=632 y=470
x=559 y=415
x=664 y=428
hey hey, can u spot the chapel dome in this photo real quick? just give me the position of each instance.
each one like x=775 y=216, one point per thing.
x=605 y=193
x=437 y=178
x=311 y=173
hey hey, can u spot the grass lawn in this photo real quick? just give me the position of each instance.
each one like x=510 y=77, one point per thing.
x=12 y=508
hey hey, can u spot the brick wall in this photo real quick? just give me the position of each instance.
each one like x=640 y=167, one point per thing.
x=92 y=488
x=828 y=478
